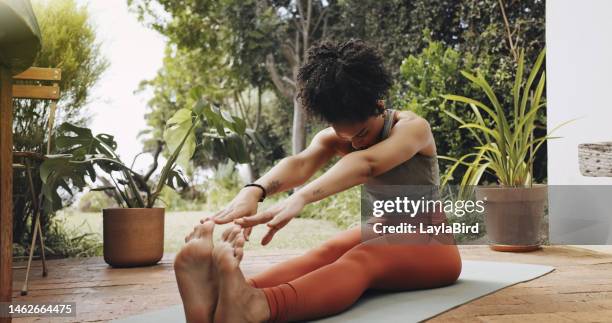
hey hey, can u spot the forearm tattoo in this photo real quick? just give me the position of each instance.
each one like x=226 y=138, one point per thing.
x=316 y=192
x=273 y=187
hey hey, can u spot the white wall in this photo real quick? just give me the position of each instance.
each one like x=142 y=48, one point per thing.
x=579 y=73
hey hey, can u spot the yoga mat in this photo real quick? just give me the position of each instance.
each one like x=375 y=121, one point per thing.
x=478 y=278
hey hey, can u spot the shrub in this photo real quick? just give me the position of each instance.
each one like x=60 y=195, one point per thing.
x=95 y=201
x=424 y=78
x=62 y=241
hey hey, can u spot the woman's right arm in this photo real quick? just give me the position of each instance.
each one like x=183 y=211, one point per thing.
x=290 y=172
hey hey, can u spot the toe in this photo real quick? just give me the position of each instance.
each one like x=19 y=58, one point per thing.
x=204 y=231
x=239 y=253
x=223 y=254
x=226 y=233
x=235 y=231
x=238 y=242
x=208 y=228
x=189 y=237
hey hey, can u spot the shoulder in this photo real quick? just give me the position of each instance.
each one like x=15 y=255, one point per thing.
x=405 y=120
x=329 y=139
x=410 y=125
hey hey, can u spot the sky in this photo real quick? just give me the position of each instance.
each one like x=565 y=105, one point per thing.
x=135 y=53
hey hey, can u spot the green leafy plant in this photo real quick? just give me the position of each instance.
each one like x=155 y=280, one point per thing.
x=82 y=154
x=507 y=146
x=425 y=76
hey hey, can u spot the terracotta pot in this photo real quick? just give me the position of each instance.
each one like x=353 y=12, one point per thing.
x=513 y=216
x=133 y=237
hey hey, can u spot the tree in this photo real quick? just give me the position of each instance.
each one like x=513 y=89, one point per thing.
x=68 y=42
x=266 y=40
x=257 y=35
x=185 y=69
x=476 y=27
x=396 y=26
x=482 y=42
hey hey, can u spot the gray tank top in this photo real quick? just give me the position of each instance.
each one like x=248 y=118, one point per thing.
x=418 y=170
x=419 y=177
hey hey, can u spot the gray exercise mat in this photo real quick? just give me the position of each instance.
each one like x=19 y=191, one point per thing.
x=478 y=278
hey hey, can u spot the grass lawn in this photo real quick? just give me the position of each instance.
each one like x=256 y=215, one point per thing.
x=297 y=235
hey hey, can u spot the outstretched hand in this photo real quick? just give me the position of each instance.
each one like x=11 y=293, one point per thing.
x=244 y=204
x=276 y=217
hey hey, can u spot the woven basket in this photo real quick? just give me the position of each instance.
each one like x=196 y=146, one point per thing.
x=595 y=159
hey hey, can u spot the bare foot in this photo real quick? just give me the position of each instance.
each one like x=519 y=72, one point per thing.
x=194 y=270
x=238 y=301
x=235 y=237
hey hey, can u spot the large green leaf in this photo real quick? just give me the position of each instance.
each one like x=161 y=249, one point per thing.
x=55 y=171
x=215 y=120
x=235 y=148
x=80 y=141
x=176 y=179
x=179 y=128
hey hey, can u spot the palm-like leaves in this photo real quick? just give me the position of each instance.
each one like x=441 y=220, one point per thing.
x=81 y=151
x=507 y=148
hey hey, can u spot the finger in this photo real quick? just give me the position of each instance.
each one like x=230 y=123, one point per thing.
x=231 y=216
x=247 y=233
x=227 y=215
x=219 y=213
x=249 y=221
x=279 y=219
x=280 y=223
x=268 y=237
x=222 y=217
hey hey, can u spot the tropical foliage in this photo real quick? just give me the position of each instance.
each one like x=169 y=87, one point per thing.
x=422 y=81
x=257 y=44
x=507 y=145
x=82 y=154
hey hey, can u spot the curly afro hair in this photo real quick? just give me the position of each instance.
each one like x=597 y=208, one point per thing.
x=342 y=82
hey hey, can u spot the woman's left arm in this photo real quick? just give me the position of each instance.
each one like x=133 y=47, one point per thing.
x=406 y=139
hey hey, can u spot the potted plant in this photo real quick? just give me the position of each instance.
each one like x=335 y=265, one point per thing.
x=134 y=231
x=514 y=208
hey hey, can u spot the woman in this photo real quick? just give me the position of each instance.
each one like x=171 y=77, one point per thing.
x=344 y=84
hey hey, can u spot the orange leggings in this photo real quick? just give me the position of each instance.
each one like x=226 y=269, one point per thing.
x=330 y=278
